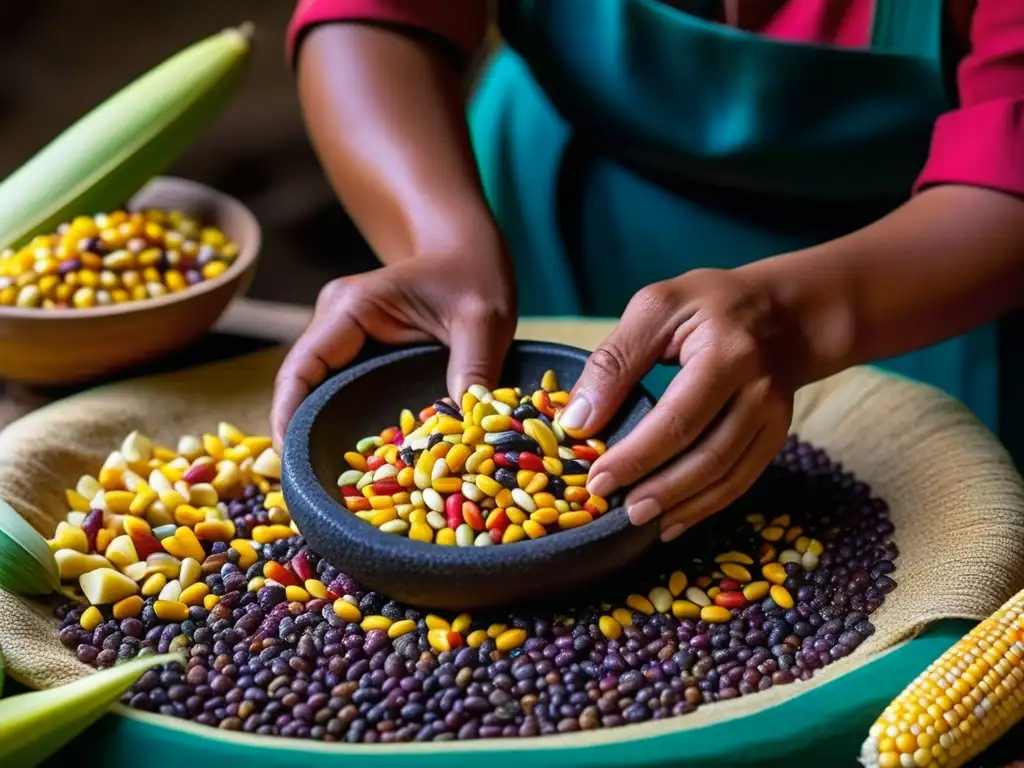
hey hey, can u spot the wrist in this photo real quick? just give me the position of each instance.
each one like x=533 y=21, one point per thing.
x=818 y=307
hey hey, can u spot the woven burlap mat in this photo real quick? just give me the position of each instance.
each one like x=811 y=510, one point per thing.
x=956 y=500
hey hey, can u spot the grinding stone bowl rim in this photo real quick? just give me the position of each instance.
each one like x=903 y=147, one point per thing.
x=299 y=478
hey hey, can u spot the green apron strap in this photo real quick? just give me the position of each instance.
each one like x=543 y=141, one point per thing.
x=911 y=27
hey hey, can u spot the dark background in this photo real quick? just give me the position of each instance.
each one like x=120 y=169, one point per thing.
x=60 y=58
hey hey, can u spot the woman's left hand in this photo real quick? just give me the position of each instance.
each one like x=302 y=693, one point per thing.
x=724 y=416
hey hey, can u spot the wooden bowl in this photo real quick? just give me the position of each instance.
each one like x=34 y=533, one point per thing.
x=367 y=397
x=64 y=346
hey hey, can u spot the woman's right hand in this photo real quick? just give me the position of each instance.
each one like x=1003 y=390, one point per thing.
x=464 y=302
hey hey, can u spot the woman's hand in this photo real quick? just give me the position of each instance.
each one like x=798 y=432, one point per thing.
x=724 y=416
x=468 y=304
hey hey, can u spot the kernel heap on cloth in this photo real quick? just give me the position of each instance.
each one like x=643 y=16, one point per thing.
x=192 y=550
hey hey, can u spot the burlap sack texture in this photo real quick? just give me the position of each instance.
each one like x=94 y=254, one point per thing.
x=956 y=500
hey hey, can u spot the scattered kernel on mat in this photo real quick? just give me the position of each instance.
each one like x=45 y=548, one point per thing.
x=262 y=605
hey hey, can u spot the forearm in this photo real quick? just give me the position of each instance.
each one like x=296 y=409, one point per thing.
x=385 y=114
x=949 y=260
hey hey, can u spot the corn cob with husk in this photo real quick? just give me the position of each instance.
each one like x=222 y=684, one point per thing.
x=962 y=703
x=98 y=163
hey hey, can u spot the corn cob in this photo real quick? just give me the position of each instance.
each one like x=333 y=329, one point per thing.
x=105 y=157
x=962 y=703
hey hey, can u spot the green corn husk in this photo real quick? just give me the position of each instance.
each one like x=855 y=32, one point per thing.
x=27 y=566
x=98 y=163
x=35 y=725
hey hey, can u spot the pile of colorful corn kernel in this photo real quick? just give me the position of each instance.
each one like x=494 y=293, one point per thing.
x=499 y=471
x=113 y=259
x=193 y=550
x=147 y=524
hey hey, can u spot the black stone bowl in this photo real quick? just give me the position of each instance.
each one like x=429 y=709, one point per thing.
x=367 y=397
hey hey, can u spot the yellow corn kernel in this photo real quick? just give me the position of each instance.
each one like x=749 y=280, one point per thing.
x=118 y=502
x=445 y=537
x=296 y=594
x=402 y=627
x=128 y=608
x=153 y=584
x=91 y=618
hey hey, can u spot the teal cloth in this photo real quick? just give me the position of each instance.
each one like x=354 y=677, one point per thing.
x=633 y=142
x=636 y=141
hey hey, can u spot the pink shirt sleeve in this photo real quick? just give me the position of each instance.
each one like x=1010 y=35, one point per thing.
x=982 y=142
x=462 y=23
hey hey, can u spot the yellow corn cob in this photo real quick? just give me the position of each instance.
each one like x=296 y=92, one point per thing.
x=963 y=702
x=98 y=163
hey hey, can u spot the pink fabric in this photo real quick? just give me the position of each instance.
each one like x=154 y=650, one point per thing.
x=980 y=143
x=462 y=22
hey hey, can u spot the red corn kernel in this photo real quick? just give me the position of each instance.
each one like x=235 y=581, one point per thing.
x=471 y=514
x=501 y=460
x=201 y=473
x=454 y=639
x=400 y=465
x=426 y=413
x=497 y=520
x=375 y=462
x=542 y=402
x=729 y=585
x=357 y=503
x=515 y=425
x=731 y=600
x=91 y=525
x=350 y=490
x=146 y=544
x=453 y=510
x=301 y=567
x=496 y=535
x=531 y=462
x=585 y=452
x=386 y=487
x=274 y=570
x=331 y=596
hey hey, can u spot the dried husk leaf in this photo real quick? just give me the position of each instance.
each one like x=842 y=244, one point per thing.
x=35 y=725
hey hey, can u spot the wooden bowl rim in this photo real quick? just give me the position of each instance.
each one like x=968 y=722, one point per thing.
x=242 y=263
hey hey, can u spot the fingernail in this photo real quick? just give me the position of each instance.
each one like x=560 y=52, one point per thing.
x=576 y=413
x=672 y=532
x=643 y=511
x=602 y=485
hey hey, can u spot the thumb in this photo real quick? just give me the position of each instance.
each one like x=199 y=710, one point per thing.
x=613 y=369
x=478 y=348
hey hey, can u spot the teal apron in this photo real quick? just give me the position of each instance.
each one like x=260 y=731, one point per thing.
x=623 y=142
x=627 y=141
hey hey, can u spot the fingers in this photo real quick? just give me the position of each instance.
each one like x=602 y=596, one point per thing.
x=730 y=487
x=331 y=341
x=708 y=461
x=478 y=341
x=615 y=367
x=693 y=399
